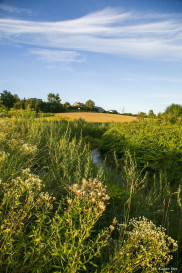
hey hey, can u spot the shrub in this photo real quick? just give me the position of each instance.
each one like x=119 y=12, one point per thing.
x=38 y=235
x=34 y=239
x=144 y=247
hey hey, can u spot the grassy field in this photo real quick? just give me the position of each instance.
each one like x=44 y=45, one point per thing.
x=59 y=212
x=97 y=117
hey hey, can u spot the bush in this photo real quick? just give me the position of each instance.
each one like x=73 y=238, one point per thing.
x=38 y=235
x=33 y=238
x=144 y=247
x=157 y=144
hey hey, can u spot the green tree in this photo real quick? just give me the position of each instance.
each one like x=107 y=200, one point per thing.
x=7 y=99
x=53 y=97
x=90 y=103
x=142 y=116
x=160 y=115
x=16 y=98
x=38 y=105
x=54 y=103
x=174 y=109
x=67 y=104
x=30 y=104
x=151 y=114
x=2 y=107
x=23 y=102
x=17 y=105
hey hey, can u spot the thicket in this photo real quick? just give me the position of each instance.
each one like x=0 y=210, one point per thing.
x=158 y=144
x=54 y=211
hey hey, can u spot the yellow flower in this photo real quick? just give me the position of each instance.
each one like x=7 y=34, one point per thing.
x=92 y=194
x=107 y=197
x=102 y=206
x=69 y=201
x=93 y=200
x=114 y=221
x=111 y=227
x=99 y=194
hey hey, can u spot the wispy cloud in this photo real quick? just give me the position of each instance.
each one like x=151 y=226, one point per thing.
x=11 y=9
x=57 y=56
x=108 y=31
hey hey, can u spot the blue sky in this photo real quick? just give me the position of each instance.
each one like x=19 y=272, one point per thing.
x=123 y=54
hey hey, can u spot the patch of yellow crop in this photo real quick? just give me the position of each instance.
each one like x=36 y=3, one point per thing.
x=96 y=117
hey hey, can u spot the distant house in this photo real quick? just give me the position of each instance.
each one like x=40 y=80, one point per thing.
x=78 y=104
x=100 y=109
x=113 y=111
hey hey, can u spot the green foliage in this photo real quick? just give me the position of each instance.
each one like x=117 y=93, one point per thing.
x=146 y=248
x=179 y=199
x=53 y=107
x=174 y=109
x=37 y=235
x=153 y=143
x=60 y=155
x=7 y=99
x=90 y=104
x=53 y=221
x=172 y=114
x=151 y=114
x=53 y=97
x=128 y=114
x=67 y=104
x=17 y=105
x=141 y=116
x=35 y=239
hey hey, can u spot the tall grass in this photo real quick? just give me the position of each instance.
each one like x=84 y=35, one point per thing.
x=54 y=214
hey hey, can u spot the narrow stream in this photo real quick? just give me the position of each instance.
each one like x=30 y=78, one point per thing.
x=97 y=159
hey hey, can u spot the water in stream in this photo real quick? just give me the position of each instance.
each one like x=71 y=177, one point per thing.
x=97 y=159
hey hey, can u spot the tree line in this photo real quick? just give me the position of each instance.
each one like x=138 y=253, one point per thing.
x=172 y=113
x=52 y=105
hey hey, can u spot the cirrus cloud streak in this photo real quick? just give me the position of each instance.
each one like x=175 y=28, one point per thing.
x=57 y=56
x=108 y=31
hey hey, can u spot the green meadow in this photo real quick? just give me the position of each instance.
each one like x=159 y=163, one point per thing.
x=61 y=212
